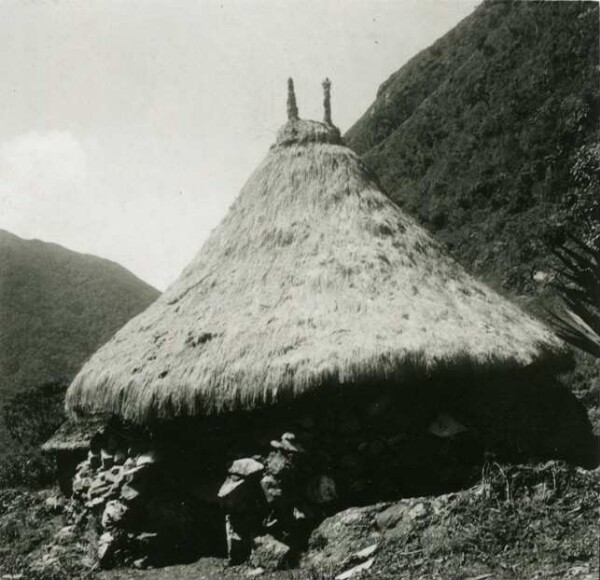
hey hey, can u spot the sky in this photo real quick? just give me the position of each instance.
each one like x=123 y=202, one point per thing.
x=127 y=127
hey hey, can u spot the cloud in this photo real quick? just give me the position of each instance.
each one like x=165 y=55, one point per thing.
x=40 y=176
x=56 y=155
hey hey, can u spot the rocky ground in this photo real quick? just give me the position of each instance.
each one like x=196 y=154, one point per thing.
x=535 y=521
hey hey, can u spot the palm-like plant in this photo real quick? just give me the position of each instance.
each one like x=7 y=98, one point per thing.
x=578 y=323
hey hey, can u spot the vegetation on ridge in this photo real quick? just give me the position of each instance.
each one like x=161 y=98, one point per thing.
x=56 y=308
x=489 y=136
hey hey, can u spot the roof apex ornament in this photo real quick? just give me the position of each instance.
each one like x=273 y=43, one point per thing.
x=292 y=107
x=327 y=101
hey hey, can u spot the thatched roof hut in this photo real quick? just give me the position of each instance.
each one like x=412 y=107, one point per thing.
x=314 y=278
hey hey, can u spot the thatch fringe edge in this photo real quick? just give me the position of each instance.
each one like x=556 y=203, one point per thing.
x=241 y=392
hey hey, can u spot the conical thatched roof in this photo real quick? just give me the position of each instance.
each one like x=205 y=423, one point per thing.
x=315 y=277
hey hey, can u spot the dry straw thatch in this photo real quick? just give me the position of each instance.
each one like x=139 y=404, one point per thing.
x=73 y=435
x=315 y=277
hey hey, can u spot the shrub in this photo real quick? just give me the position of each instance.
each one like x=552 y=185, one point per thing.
x=31 y=417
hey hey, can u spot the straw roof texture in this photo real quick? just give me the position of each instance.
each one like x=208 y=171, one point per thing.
x=75 y=434
x=315 y=277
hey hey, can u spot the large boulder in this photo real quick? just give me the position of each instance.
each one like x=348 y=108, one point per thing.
x=269 y=553
x=332 y=543
x=340 y=540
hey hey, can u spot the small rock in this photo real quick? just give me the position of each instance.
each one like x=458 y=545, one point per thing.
x=147 y=458
x=240 y=495
x=417 y=511
x=114 y=514
x=54 y=503
x=140 y=563
x=392 y=516
x=129 y=462
x=288 y=444
x=120 y=456
x=269 y=553
x=358 y=557
x=356 y=570
x=445 y=426
x=231 y=484
x=114 y=475
x=246 y=467
x=254 y=572
x=400 y=518
x=277 y=463
x=107 y=459
x=106 y=549
x=132 y=473
x=238 y=546
x=146 y=538
x=298 y=515
x=129 y=494
x=80 y=485
x=321 y=489
x=96 y=502
x=271 y=488
x=99 y=488
x=366 y=553
x=541 y=276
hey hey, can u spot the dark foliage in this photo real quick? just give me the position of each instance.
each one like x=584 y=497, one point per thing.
x=27 y=467
x=579 y=287
x=489 y=137
x=33 y=415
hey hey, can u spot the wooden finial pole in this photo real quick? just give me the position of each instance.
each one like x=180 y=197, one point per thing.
x=327 y=101
x=292 y=108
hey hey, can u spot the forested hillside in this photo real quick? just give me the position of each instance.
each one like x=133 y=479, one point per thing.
x=489 y=137
x=56 y=308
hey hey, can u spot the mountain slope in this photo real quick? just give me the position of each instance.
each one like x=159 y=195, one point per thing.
x=56 y=308
x=489 y=137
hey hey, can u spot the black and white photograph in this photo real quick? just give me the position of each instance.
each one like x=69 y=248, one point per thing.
x=299 y=290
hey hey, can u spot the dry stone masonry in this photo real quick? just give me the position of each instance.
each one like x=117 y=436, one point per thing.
x=271 y=504
x=124 y=497
x=146 y=507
